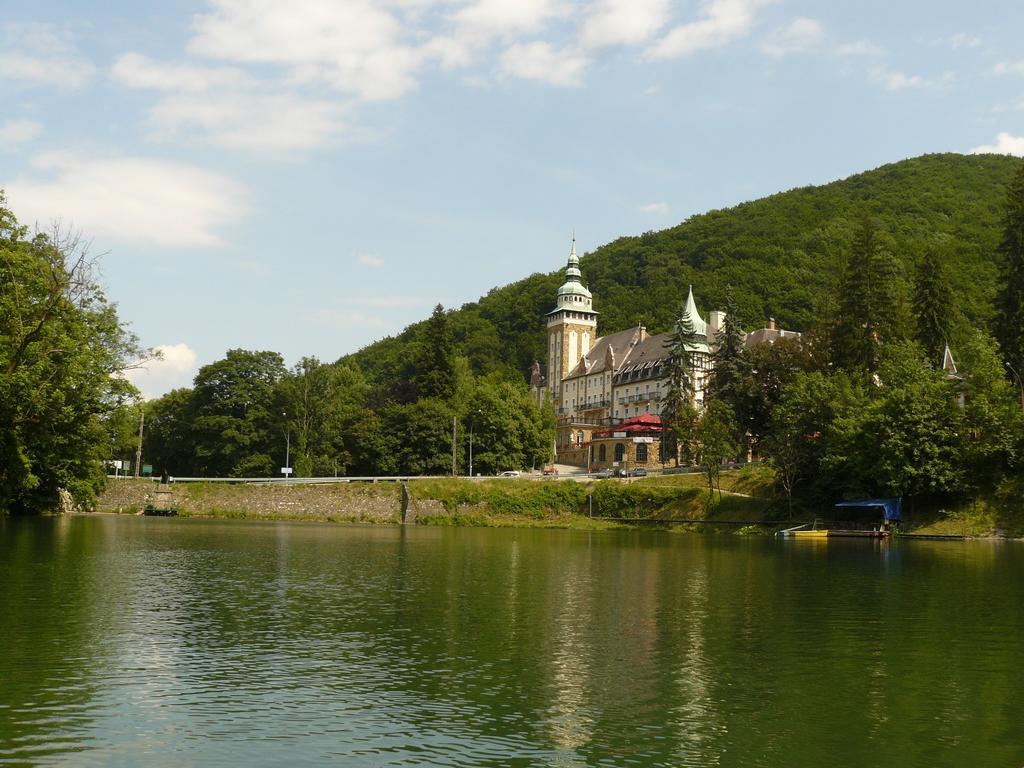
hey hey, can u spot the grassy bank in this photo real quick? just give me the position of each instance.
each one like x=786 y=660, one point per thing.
x=523 y=502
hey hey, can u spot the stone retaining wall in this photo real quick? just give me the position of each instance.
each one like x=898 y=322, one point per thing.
x=356 y=502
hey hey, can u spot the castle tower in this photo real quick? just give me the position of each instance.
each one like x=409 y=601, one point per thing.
x=572 y=327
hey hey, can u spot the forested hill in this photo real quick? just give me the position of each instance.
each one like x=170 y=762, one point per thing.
x=779 y=254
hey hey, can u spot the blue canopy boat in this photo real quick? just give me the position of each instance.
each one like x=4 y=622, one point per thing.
x=892 y=513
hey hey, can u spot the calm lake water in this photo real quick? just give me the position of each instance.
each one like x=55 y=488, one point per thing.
x=142 y=641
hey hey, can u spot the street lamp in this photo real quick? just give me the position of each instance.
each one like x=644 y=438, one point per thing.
x=287 y=445
x=1020 y=384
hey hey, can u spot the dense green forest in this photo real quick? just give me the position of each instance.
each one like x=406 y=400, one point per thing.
x=781 y=254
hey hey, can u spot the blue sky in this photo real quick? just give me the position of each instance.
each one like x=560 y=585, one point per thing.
x=309 y=176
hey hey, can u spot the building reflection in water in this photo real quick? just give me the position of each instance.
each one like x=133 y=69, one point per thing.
x=570 y=719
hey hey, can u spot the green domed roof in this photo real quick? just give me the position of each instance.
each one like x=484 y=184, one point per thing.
x=574 y=287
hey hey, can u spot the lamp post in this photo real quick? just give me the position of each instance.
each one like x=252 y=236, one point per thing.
x=1020 y=384
x=287 y=445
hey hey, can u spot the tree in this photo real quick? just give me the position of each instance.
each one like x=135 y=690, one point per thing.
x=62 y=350
x=993 y=419
x=677 y=407
x=731 y=379
x=870 y=310
x=773 y=367
x=797 y=438
x=934 y=305
x=907 y=439
x=435 y=361
x=1010 y=299
x=423 y=432
x=239 y=421
x=510 y=431
x=168 y=441
x=716 y=433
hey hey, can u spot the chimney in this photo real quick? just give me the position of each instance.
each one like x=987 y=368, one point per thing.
x=716 y=320
x=771 y=323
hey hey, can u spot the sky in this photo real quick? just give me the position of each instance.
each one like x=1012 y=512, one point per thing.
x=312 y=175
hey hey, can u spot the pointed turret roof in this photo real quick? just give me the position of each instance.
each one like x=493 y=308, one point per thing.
x=690 y=312
x=947 y=362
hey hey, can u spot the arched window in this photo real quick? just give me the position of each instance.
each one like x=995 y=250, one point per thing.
x=620 y=451
x=602 y=454
x=641 y=453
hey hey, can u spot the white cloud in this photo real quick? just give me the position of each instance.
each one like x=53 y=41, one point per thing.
x=540 y=61
x=800 y=35
x=659 y=207
x=859 y=48
x=246 y=120
x=355 y=46
x=963 y=40
x=369 y=260
x=176 y=367
x=1006 y=144
x=228 y=107
x=41 y=54
x=19 y=131
x=133 y=199
x=484 y=20
x=623 y=22
x=896 y=81
x=1009 y=68
x=722 y=22
x=138 y=71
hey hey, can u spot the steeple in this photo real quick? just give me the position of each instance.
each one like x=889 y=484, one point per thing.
x=573 y=295
x=572 y=269
x=691 y=313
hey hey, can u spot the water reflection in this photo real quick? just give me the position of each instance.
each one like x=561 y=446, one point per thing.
x=132 y=641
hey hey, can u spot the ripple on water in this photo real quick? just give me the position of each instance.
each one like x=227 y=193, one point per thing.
x=133 y=641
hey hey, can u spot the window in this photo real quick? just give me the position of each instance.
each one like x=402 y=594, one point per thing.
x=641 y=453
x=602 y=454
x=620 y=451
x=579 y=437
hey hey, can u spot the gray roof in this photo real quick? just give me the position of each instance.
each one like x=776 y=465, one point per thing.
x=594 y=360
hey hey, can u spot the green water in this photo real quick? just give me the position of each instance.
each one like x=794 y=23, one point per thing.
x=142 y=641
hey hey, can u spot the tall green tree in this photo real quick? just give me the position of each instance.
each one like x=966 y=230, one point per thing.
x=870 y=311
x=716 y=432
x=509 y=430
x=800 y=430
x=934 y=303
x=169 y=443
x=62 y=350
x=731 y=379
x=677 y=409
x=1010 y=299
x=435 y=362
x=240 y=424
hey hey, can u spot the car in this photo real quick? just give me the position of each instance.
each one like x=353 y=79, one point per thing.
x=510 y=473
x=637 y=472
x=600 y=474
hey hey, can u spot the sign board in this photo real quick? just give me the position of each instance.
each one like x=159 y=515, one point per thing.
x=618 y=434
x=643 y=440
x=117 y=464
x=147 y=469
x=286 y=470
